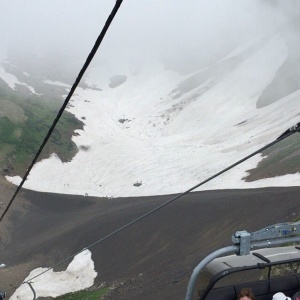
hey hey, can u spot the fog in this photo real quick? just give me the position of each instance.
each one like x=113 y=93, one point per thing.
x=184 y=35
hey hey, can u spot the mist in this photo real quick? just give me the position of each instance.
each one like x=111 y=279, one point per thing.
x=183 y=35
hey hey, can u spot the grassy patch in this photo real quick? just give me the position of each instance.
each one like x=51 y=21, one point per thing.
x=281 y=159
x=85 y=295
x=24 y=125
x=12 y=111
x=7 y=130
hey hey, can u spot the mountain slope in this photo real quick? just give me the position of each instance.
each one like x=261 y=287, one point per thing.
x=154 y=131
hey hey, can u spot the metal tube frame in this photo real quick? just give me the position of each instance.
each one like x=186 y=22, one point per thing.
x=244 y=242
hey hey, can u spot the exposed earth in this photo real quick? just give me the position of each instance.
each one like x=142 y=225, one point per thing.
x=152 y=259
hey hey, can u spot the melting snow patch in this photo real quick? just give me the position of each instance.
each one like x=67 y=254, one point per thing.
x=10 y=79
x=79 y=275
x=58 y=83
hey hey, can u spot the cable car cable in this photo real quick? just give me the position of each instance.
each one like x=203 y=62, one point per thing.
x=283 y=136
x=79 y=77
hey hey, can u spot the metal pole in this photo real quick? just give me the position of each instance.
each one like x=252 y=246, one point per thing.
x=203 y=263
x=273 y=243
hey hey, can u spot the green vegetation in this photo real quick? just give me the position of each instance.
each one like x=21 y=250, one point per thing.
x=12 y=111
x=85 y=295
x=281 y=159
x=25 y=119
x=7 y=131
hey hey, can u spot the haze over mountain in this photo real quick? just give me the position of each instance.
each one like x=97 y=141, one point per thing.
x=176 y=93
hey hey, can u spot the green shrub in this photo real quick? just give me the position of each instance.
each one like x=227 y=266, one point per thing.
x=85 y=295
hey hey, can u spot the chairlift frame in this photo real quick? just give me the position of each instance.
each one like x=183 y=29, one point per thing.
x=243 y=242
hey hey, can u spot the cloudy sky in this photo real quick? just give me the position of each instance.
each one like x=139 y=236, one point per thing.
x=182 y=33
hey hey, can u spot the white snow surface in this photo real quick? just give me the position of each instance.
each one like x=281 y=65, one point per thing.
x=148 y=130
x=57 y=83
x=79 y=275
x=12 y=80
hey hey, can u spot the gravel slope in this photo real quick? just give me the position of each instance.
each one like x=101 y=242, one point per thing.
x=152 y=258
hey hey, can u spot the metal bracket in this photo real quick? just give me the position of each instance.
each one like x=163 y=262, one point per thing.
x=280 y=231
x=242 y=238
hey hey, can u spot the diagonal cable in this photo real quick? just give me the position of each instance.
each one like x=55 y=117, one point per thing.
x=283 y=136
x=79 y=77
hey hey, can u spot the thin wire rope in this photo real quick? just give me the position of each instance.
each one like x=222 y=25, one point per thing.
x=79 y=77
x=33 y=291
x=282 y=137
